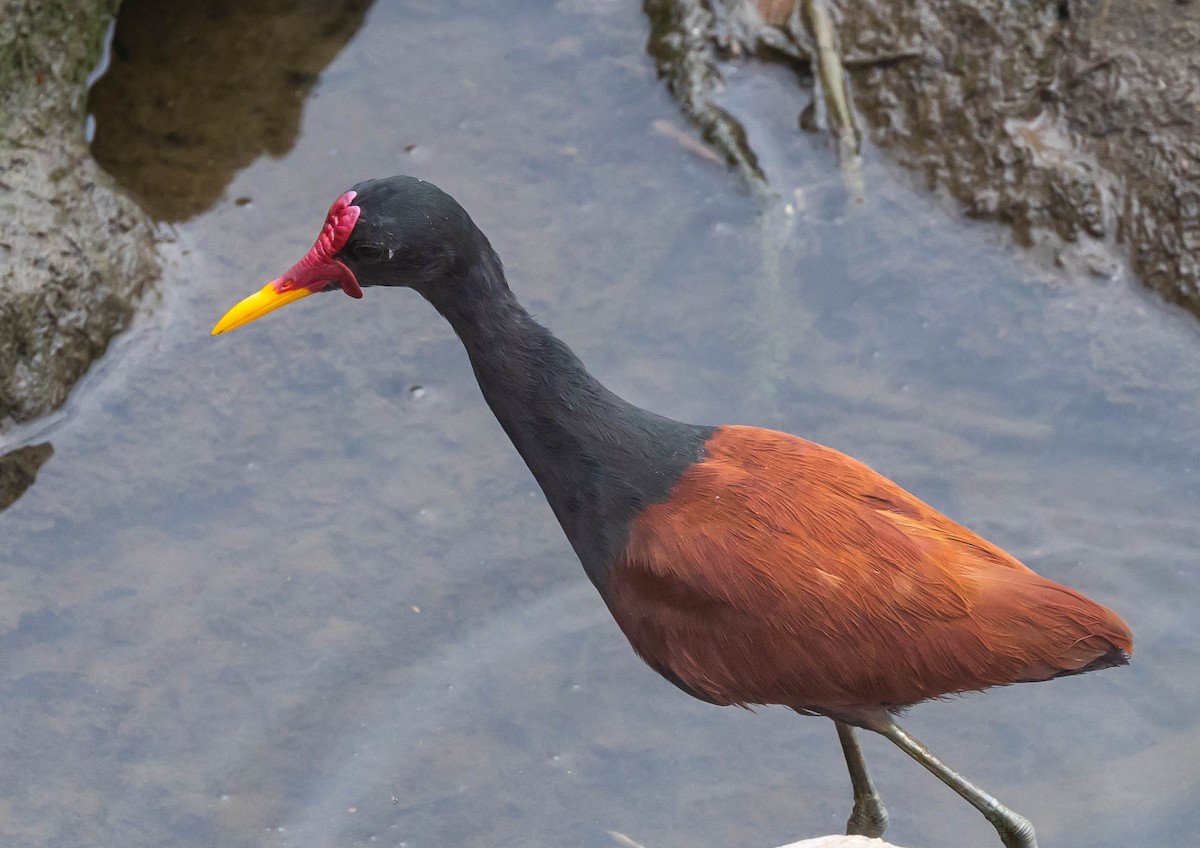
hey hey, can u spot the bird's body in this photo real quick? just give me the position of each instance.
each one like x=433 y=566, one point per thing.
x=727 y=586
x=745 y=565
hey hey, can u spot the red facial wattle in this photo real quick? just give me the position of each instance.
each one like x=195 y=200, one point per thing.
x=319 y=268
x=317 y=271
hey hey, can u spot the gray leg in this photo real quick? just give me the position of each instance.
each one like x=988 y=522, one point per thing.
x=1015 y=830
x=868 y=818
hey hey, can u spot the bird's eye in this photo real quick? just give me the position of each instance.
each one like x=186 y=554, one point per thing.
x=368 y=251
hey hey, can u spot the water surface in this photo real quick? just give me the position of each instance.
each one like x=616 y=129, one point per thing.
x=292 y=586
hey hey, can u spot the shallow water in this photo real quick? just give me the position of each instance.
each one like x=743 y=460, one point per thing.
x=292 y=587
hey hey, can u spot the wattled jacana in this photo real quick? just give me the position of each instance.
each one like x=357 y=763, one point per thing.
x=746 y=566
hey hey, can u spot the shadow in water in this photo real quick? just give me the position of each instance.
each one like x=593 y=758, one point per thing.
x=197 y=91
x=18 y=470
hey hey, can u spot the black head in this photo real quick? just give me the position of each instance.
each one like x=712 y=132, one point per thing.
x=409 y=233
x=398 y=231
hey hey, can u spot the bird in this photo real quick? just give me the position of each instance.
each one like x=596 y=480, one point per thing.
x=746 y=566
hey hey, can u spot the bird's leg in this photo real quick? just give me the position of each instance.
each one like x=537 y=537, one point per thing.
x=869 y=818
x=1015 y=830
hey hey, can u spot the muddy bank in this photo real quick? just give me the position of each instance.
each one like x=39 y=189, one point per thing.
x=1074 y=123
x=75 y=254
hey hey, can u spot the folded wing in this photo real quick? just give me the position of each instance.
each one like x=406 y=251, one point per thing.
x=780 y=571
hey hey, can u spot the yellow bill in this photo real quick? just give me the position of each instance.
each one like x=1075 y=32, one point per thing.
x=256 y=306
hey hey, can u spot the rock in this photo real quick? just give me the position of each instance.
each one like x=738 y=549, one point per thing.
x=75 y=254
x=841 y=842
x=836 y=841
x=18 y=470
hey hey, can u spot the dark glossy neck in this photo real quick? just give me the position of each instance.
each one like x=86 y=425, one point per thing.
x=598 y=458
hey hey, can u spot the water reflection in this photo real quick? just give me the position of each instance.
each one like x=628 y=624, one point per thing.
x=198 y=90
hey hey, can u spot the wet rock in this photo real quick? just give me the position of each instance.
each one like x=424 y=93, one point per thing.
x=18 y=470
x=1071 y=122
x=75 y=254
x=841 y=842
